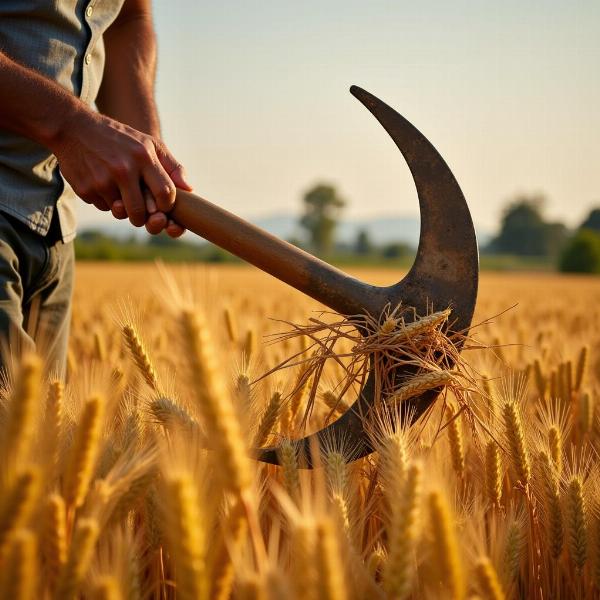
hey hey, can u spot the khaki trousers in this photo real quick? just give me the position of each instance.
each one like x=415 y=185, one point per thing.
x=36 y=284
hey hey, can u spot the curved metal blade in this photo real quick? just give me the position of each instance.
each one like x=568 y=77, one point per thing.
x=445 y=272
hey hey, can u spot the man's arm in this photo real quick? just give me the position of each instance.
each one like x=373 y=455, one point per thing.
x=127 y=90
x=103 y=159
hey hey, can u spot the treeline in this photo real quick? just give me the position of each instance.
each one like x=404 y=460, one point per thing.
x=525 y=232
x=526 y=239
x=97 y=245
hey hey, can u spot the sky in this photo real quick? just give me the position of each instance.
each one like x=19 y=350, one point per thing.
x=254 y=100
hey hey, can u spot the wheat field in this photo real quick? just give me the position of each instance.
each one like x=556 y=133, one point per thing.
x=133 y=477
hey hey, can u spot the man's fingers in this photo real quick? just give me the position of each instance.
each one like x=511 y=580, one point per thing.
x=179 y=178
x=131 y=194
x=118 y=210
x=149 y=199
x=174 y=169
x=156 y=223
x=174 y=230
x=98 y=202
x=160 y=186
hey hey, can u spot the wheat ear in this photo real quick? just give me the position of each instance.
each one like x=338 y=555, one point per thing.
x=186 y=536
x=516 y=442
x=268 y=420
x=216 y=405
x=230 y=325
x=402 y=533
x=540 y=381
x=107 y=588
x=421 y=383
x=17 y=504
x=20 y=571
x=303 y=549
x=54 y=417
x=84 y=453
x=576 y=522
x=25 y=397
x=580 y=370
x=79 y=559
x=493 y=473
x=288 y=460
x=487 y=578
x=555 y=444
x=140 y=356
x=513 y=550
x=234 y=533
x=54 y=537
x=331 y=579
x=457 y=450
x=445 y=546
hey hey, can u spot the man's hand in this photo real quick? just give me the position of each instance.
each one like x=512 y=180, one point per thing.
x=117 y=168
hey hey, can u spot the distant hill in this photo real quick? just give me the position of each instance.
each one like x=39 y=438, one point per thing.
x=382 y=229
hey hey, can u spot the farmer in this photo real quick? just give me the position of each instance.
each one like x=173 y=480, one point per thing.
x=56 y=60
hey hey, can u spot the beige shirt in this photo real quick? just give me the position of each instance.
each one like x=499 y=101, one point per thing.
x=61 y=39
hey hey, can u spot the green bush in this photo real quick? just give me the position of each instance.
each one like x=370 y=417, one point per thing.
x=582 y=253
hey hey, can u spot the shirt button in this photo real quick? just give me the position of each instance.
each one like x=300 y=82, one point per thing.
x=89 y=11
x=88 y=59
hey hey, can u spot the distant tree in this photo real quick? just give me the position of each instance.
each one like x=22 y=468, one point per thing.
x=582 y=253
x=322 y=207
x=525 y=232
x=363 y=245
x=556 y=236
x=395 y=250
x=592 y=221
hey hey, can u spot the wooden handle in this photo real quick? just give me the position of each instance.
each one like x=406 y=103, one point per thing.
x=288 y=263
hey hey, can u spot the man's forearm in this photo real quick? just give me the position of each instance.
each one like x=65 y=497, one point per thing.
x=34 y=106
x=127 y=91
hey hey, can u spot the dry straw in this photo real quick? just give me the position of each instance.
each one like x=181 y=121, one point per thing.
x=395 y=341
